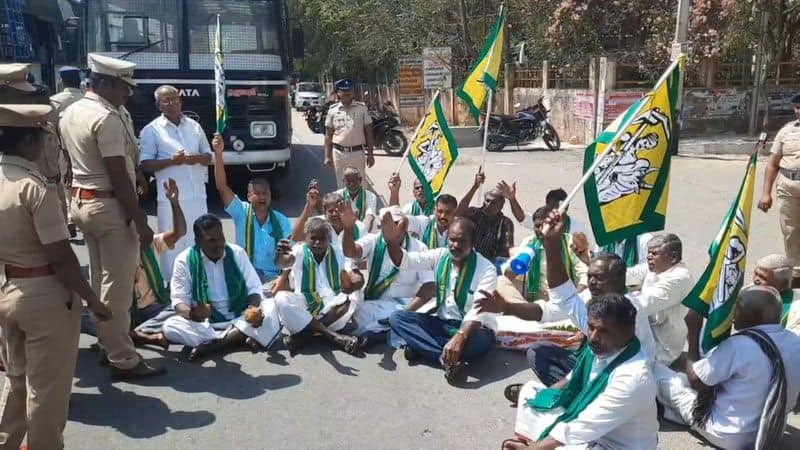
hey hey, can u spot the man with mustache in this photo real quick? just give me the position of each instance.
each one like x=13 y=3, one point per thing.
x=431 y=229
x=364 y=202
x=332 y=206
x=455 y=332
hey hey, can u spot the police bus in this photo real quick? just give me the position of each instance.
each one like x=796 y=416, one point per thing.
x=172 y=42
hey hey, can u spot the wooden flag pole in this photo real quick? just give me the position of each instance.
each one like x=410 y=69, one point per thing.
x=419 y=125
x=589 y=172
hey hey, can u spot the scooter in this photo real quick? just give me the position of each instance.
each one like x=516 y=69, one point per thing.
x=525 y=125
x=387 y=132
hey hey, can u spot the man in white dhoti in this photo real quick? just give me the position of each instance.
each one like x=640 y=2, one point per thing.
x=326 y=290
x=332 y=205
x=606 y=402
x=388 y=289
x=217 y=296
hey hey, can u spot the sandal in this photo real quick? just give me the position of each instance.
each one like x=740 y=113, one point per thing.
x=511 y=392
x=350 y=344
x=512 y=441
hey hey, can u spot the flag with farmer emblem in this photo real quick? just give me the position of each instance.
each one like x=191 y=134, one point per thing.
x=433 y=150
x=483 y=74
x=715 y=294
x=219 y=81
x=627 y=192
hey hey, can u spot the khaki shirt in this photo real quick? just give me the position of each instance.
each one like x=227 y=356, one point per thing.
x=30 y=214
x=348 y=123
x=49 y=162
x=93 y=129
x=63 y=99
x=787 y=145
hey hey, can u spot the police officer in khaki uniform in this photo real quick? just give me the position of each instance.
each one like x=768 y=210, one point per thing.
x=98 y=134
x=71 y=82
x=14 y=88
x=784 y=164
x=348 y=134
x=39 y=273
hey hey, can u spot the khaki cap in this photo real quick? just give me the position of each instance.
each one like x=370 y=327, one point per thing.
x=30 y=116
x=113 y=67
x=15 y=76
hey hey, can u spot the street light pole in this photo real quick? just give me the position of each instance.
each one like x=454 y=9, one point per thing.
x=758 y=75
x=681 y=39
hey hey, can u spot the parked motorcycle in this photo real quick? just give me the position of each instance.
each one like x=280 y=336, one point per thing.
x=387 y=132
x=525 y=125
x=315 y=117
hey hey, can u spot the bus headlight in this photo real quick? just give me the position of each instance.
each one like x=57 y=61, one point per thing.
x=262 y=130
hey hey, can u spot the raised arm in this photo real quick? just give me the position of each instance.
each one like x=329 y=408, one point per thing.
x=463 y=205
x=312 y=199
x=556 y=272
x=394 y=189
x=510 y=193
x=178 y=220
x=284 y=258
x=349 y=246
x=220 y=177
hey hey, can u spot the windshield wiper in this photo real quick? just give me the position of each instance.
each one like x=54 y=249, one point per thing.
x=141 y=49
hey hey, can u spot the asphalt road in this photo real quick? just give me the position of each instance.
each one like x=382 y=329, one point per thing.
x=323 y=398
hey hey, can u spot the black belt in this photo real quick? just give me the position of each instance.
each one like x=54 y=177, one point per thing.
x=793 y=175
x=342 y=148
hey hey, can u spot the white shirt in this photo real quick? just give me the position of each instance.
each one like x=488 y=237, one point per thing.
x=160 y=139
x=370 y=202
x=623 y=416
x=181 y=284
x=566 y=299
x=485 y=279
x=742 y=371
x=323 y=286
x=641 y=243
x=418 y=224
x=660 y=299
x=407 y=282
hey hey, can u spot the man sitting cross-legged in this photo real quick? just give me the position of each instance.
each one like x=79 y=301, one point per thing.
x=332 y=206
x=456 y=332
x=217 y=296
x=364 y=202
x=326 y=290
x=738 y=396
x=606 y=401
x=388 y=289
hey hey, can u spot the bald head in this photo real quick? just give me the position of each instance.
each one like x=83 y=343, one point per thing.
x=757 y=305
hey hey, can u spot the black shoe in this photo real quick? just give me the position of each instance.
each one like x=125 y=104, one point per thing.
x=73 y=232
x=142 y=370
x=410 y=355
x=451 y=373
x=511 y=392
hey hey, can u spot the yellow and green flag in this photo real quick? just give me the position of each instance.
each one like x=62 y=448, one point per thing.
x=483 y=74
x=433 y=150
x=219 y=81
x=715 y=294
x=627 y=192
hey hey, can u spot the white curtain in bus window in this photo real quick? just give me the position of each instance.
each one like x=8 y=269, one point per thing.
x=148 y=29
x=249 y=34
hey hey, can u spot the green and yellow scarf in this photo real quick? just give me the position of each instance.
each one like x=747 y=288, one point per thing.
x=417 y=210
x=579 y=391
x=375 y=286
x=630 y=252
x=463 y=280
x=152 y=272
x=308 y=285
x=234 y=280
x=249 y=229
x=360 y=201
x=430 y=236
x=533 y=278
x=787 y=297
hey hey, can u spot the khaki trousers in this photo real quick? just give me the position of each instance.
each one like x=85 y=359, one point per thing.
x=113 y=256
x=788 y=193
x=341 y=160
x=39 y=349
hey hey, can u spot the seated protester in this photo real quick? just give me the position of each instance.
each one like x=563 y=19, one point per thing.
x=217 y=296
x=776 y=271
x=772 y=270
x=494 y=232
x=738 y=396
x=332 y=205
x=388 y=289
x=632 y=250
x=553 y=199
x=258 y=226
x=665 y=282
x=326 y=290
x=456 y=333
x=533 y=284
x=363 y=202
x=420 y=206
x=607 y=399
x=431 y=229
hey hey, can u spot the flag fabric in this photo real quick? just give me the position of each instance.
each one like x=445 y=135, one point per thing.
x=484 y=73
x=219 y=81
x=716 y=292
x=432 y=151
x=627 y=193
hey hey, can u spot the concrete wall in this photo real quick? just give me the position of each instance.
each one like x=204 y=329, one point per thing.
x=561 y=103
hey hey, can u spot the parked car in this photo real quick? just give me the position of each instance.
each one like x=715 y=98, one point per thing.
x=308 y=94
